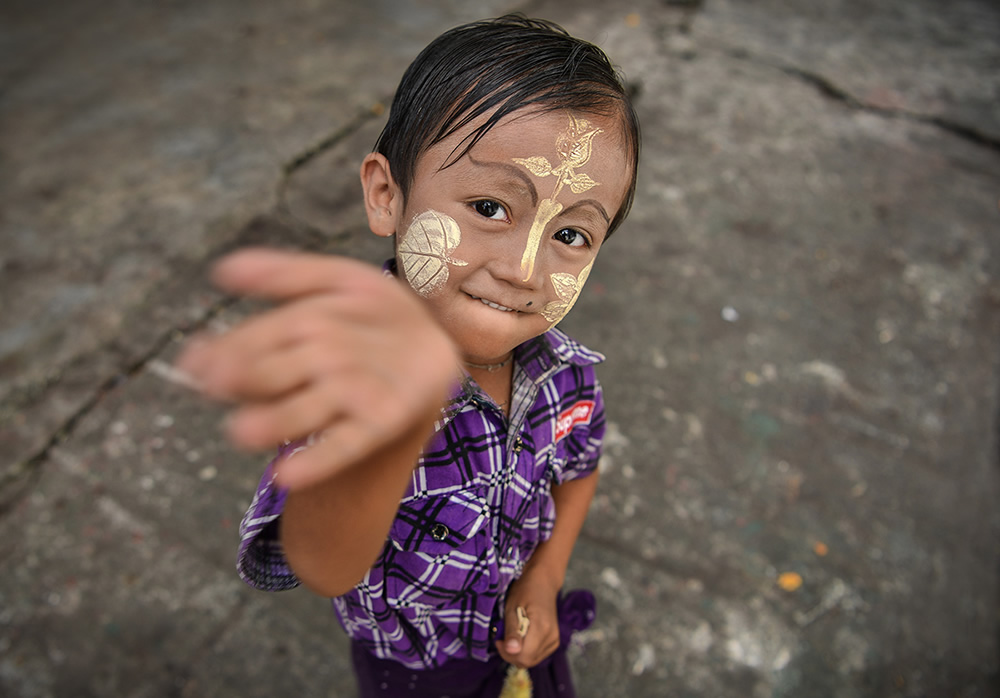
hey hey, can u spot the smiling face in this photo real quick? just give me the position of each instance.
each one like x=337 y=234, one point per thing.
x=501 y=242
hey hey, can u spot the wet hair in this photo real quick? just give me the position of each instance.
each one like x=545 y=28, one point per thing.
x=497 y=67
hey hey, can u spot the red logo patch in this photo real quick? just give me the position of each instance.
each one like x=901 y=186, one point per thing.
x=580 y=413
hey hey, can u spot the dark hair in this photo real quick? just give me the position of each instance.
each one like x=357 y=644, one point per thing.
x=500 y=66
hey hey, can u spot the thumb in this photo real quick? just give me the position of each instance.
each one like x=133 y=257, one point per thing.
x=515 y=627
x=512 y=644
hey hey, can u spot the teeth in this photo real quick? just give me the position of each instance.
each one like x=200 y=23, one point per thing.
x=495 y=306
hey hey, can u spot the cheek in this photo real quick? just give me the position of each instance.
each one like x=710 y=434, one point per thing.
x=424 y=252
x=567 y=289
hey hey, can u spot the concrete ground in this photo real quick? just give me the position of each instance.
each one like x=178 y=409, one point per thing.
x=802 y=318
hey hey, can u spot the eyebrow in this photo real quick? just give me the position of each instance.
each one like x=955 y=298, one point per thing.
x=512 y=170
x=589 y=202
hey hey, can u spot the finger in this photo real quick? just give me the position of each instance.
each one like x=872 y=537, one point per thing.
x=192 y=357
x=513 y=659
x=278 y=373
x=222 y=364
x=342 y=444
x=274 y=274
x=366 y=402
x=509 y=658
x=539 y=643
x=262 y=425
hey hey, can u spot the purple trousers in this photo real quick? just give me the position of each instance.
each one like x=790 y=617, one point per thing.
x=471 y=678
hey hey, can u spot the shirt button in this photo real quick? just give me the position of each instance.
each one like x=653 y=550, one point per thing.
x=440 y=531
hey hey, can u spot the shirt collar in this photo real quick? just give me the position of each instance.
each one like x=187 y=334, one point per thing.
x=539 y=358
x=543 y=355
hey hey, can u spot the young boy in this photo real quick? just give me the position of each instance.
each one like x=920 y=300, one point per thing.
x=441 y=436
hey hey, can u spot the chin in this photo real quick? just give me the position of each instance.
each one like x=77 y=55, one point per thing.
x=484 y=351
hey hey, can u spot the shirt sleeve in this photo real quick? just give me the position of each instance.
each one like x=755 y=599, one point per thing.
x=261 y=560
x=586 y=438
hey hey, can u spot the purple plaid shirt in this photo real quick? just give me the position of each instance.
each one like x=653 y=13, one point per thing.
x=477 y=506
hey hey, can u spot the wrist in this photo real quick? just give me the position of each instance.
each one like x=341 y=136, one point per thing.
x=546 y=571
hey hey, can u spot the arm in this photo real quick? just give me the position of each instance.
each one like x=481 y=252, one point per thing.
x=537 y=588
x=334 y=530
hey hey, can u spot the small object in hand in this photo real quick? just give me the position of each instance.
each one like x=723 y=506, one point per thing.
x=518 y=682
x=522 y=621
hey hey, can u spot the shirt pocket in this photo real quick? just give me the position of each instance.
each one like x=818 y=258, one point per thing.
x=438 y=551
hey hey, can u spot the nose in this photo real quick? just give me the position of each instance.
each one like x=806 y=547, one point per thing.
x=547 y=210
x=507 y=261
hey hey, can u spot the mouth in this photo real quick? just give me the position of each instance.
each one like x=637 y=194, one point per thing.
x=495 y=306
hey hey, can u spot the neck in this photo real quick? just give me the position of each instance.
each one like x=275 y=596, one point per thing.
x=491 y=368
x=494 y=379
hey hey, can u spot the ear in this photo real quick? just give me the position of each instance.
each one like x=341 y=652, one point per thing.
x=383 y=199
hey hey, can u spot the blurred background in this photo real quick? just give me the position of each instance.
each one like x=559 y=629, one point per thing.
x=801 y=318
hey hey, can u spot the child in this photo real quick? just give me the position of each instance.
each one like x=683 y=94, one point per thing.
x=441 y=436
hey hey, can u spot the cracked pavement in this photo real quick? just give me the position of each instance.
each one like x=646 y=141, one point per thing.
x=802 y=319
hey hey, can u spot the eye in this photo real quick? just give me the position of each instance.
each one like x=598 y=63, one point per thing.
x=490 y=209
x=571 y=237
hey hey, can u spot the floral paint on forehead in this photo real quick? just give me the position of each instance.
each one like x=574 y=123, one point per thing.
x=574 y=147
x=425 y=251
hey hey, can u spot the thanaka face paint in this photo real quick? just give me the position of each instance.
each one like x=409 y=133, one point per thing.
x=574 y=147
x=568 y=289
x=483 y=304
x=425 y=251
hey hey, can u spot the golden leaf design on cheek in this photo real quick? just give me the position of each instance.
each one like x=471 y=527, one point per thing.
x=568 y=289
x=425 y=251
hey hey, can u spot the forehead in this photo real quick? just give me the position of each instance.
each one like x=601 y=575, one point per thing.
x=525 y=137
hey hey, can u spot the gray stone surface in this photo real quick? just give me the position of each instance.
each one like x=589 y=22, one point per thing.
x=802 y=318
x=939 y=64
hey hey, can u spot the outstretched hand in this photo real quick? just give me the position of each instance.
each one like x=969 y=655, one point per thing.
x=347 y=354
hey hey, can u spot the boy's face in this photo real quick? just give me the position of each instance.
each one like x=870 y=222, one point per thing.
x=501 y=242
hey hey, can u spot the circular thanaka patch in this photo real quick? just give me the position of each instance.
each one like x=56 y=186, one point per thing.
x=425 y=251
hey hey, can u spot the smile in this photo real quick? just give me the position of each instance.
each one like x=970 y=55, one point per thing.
x=495 y=306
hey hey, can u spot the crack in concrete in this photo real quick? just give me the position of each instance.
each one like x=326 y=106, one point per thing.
x=830 y=89
x=26 y=472
x=325 y=144
x=282 y=210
